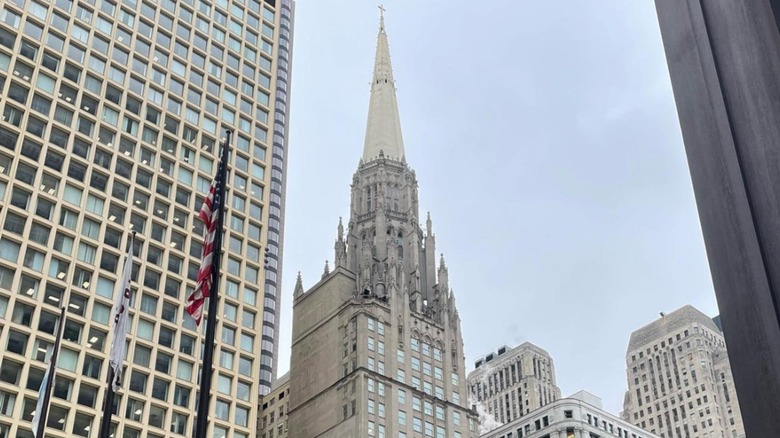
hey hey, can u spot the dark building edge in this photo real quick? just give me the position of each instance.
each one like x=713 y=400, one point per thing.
x=724 y=60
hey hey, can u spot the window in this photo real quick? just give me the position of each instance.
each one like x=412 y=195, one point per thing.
x=17 y=343
x=160 y=389
x=222 y=410
x=142 y=355
x=87 y=396
x=181 y=396
x=92 y=367
x=184 y=370
x=166 y=337
x=179 y=423
x=138 y=381
x=156 y=417
x=242 y=416
x=224 y=384
x=73 y=330
x=134 y=410
x=417 y=424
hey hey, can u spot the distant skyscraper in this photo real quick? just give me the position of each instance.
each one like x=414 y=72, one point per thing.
x=511 y=383
x=376 y=346
x=112 y=112
x=679 y=379
x=577 y=416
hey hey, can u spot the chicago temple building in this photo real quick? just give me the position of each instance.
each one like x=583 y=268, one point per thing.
x=377 y=348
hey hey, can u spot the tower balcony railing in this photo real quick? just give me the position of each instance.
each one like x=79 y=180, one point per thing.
x=391 y=214
x=366 y=216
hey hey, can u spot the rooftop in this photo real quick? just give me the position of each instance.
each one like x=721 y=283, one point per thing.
x=670 y=323
x=505 y=351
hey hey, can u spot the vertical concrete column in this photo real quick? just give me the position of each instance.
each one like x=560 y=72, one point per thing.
x=724 y=63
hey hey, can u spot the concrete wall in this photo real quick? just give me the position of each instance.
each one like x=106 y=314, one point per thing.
x=724 y=62
x=316 y=364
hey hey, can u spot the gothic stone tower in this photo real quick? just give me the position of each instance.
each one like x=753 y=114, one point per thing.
x=377 y=348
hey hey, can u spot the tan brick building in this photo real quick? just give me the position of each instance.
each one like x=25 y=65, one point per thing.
x=377 y=349
x=679 y=379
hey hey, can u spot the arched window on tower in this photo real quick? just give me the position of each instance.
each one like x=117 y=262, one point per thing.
x=392 y=197
x=368 y=199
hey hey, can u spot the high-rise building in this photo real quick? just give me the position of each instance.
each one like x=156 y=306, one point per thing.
x=679 y=379
x=578 y=416
x=511 y=383
x=272 y=422
x=376 y=345
x=112 y=114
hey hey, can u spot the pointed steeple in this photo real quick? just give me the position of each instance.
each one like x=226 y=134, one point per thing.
x=340 y=260
x=298 y=291
x=383 y=130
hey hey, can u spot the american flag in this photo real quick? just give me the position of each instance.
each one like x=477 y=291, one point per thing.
x=209 y=214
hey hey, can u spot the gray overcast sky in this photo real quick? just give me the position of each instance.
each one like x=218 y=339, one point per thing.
x=548 y=151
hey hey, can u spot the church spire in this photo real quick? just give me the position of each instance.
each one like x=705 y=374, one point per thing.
x=298 y=291
x=383 y=130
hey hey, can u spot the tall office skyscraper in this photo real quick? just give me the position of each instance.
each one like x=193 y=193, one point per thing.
x=112 y=113
x=377 y=348
x=512 y=383
x=679 y=379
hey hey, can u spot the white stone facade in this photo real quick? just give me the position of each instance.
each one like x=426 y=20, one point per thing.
x=509 y=384
x=578 y=416
x=679 y=379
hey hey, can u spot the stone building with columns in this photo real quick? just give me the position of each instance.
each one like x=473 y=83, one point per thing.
x=272 y=420
x=577 y=416
x=377 y=348
x=680 y=383
x=513 y=382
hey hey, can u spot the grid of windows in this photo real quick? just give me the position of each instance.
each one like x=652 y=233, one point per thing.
x=111 y=117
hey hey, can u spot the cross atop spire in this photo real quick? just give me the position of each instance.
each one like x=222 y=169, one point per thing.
x=383 y=131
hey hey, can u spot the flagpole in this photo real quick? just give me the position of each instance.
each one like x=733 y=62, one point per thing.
x=108 y=399
x=44 y=412
x=108 y=404
x=204 y=398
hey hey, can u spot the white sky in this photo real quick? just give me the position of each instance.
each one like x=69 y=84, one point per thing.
x=547 y=147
